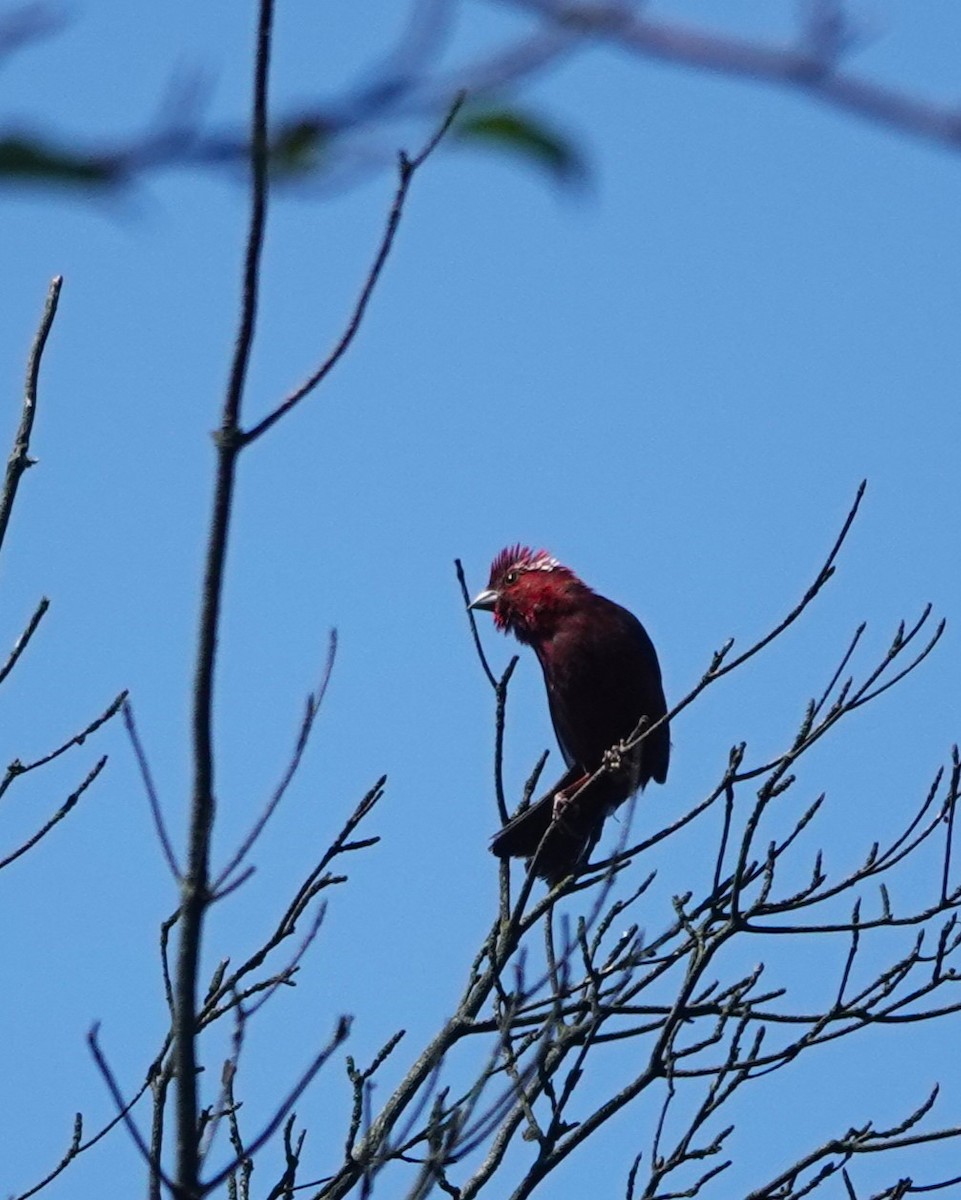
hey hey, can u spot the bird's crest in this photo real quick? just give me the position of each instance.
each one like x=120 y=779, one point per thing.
x=523 y=558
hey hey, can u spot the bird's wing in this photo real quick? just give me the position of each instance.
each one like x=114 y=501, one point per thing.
x=602 y=676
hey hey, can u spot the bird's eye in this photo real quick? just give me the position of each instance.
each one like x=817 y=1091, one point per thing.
x=511 y=577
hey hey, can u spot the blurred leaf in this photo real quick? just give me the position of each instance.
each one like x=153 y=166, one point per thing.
x=527 y=136
x=299 y=147
x=20 y=27
x=29 y=159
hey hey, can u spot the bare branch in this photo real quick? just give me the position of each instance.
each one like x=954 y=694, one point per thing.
x=339 y=1036
x=24 y=639
x=18 y=768
x=57 y=817
x=312 y=708
x=20 y=459
x=78 y=1145
x=195 y=897
x=806 y=67
x=124 y=1108
x=472 y=621
x=152 y=797
x=407 y=168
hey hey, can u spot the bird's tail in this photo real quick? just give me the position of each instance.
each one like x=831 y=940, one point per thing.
x=557 y=846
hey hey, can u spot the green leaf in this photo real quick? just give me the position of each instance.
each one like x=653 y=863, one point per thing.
x=527 y=136
x=32 y=160
x=299 y=148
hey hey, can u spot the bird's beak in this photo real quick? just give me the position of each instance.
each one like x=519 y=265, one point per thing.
x=486 y=601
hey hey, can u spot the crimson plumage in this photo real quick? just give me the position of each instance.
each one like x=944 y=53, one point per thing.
x=602 y=678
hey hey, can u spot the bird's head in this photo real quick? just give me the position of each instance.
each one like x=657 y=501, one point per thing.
x=528 y=591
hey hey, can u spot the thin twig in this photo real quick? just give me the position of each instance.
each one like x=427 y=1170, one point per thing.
x=78 y=1146
x=24 y=639
x=459 y=568
x=337 y=1039
x=124 y=1108
x=406 y=168
x=20 y=459
x=57 y=817
x=314 y=702
x=801 y=68
x=499 y=731
x=17 y=768
x=153 y=799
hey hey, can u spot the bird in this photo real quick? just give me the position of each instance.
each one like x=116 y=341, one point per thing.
x=603 y=680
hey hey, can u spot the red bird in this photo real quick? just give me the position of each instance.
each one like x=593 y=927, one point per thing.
x=602 y=678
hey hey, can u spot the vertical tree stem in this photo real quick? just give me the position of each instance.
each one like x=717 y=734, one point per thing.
x=195 y=896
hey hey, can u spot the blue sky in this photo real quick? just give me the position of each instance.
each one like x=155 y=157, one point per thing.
x=674 y=380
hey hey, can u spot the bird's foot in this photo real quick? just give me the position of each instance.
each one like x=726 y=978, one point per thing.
x=561 y=803
x=614 y=758
x=563 y=800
